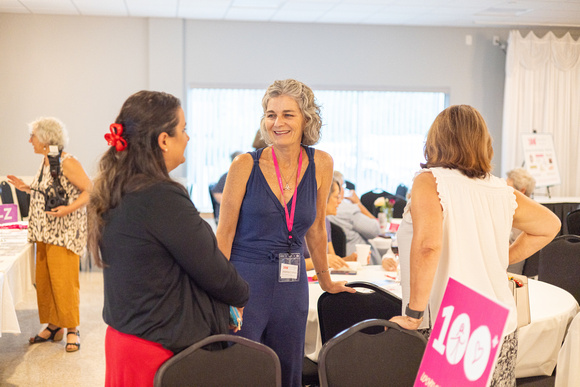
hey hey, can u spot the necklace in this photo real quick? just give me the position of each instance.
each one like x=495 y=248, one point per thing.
x=287 y=186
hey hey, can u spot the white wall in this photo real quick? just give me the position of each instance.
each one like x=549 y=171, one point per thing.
x=357 y=57
x=81 y=69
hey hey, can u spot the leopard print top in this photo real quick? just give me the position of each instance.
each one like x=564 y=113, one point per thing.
x=69 y=231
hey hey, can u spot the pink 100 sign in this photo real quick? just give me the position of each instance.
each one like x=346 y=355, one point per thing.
x=465 y=339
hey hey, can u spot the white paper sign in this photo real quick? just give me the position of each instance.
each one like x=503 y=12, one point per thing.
x=540 y=158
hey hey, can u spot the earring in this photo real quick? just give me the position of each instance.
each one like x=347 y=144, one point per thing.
x=165 y=149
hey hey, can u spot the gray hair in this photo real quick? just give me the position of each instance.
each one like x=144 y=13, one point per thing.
x=49 y=131
x=522 y=180
x=306 y=101
x=338 y=177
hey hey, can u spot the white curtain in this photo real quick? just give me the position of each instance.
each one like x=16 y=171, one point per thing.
x=542 y=93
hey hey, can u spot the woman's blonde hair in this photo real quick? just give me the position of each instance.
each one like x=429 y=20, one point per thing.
x=49 y=131
x=459 y=139
x=306 y=101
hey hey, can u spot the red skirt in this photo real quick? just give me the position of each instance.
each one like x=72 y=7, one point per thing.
x=132 y=361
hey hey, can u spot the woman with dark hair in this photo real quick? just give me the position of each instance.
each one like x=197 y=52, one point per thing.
x=274 y=199
x=167 y=285
x=457 y=224
x=58 y=224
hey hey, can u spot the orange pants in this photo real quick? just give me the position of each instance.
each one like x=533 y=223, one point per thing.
x=57 y=285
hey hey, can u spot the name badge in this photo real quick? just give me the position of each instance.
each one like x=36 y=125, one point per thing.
x=289 y=267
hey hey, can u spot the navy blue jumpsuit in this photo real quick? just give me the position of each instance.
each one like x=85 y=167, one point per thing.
x=277 y=311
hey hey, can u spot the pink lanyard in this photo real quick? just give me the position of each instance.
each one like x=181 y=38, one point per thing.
x=289 y=218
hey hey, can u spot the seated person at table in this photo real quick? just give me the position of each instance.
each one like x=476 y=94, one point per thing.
x=334 y=261
x=218 y=188
x=520 y=179
x=358 y=223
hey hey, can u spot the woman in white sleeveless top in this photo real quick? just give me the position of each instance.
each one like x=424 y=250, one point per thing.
x=457 y=223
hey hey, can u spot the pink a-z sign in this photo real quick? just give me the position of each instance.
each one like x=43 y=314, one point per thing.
x=8 y=213
x=465 y=340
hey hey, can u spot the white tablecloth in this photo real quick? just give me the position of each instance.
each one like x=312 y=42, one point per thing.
x=373 y=274
x=551 y=310
x=16 y=276
x=569 y=357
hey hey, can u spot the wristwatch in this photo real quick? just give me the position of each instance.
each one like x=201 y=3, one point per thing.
x=413 y=313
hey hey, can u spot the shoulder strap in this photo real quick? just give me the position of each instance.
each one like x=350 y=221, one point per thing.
x=310 y=153
x=256 y=155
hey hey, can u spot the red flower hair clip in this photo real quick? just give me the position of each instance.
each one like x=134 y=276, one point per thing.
x=114 y=138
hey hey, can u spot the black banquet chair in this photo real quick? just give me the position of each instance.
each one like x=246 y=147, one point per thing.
x=399 y=208
x=244 y=363
x=560 y=264
x=337 y=312
x=368 y=200
x=338 y=238
x=402 y=191
x=573 y=222
x=215 y=205
x=6 y=193
x=388 y=358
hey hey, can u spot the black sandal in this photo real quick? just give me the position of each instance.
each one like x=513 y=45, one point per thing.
x=77 y=345
x=53 y=336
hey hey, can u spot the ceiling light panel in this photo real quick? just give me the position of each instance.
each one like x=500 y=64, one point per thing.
x=159 y=8
x=257 y=14
x=60 y=7
x=101 y=7
x=257 y=3
x=12 y=6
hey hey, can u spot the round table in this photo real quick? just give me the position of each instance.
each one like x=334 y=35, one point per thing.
x=372 y=273
x=551 y=311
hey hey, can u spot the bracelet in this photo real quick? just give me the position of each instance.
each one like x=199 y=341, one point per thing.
x=413 y=313
x=322 y=272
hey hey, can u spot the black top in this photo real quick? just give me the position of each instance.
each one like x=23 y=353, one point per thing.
x=165 y=279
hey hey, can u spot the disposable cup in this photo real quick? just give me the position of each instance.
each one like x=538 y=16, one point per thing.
x=362 y=252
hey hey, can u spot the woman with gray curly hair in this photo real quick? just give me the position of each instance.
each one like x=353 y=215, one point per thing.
x=274 y=199
x=58 y=224
x=520 y=179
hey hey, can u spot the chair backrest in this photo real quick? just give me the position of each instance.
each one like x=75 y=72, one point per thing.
x=6 y=193
x=244 y=363
x=354 y=358
x=560 y=264
x=23 y=199
x=338 y=238
x=573 y=222
x=214 y=204
x=399 y=208
x=401 y=191
x=368 y=200
x=531 y=265
x=340 y=311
